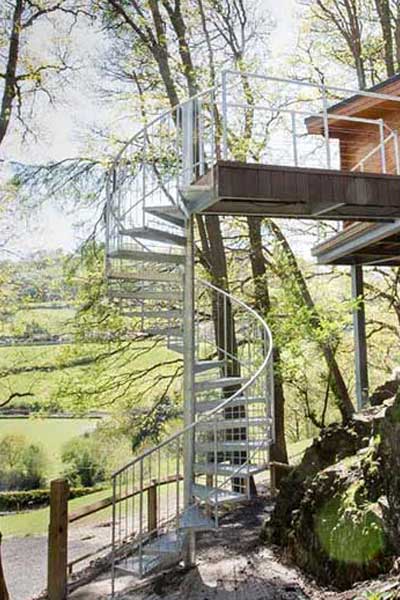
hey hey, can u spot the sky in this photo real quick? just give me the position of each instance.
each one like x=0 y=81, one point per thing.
x=50 y=227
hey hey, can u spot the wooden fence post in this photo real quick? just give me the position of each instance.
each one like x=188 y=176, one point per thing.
x=58 y=540
x=152 y=507
x=3 y=588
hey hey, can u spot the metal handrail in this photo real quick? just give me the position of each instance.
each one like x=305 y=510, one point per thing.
x=207 y=415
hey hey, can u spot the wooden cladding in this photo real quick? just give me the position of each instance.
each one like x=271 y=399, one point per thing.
x=256 y=189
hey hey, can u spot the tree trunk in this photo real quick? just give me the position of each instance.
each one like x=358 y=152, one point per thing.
x=383 y=9
x=339 y=387
x=3 y=587
x=263 y=305
x=10 y=82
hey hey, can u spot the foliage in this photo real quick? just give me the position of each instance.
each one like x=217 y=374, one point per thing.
x=89 y=459
x=22 y=464
x=84 y=461
x=21 y=500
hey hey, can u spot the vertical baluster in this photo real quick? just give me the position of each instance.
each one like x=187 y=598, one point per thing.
x=178 y=175
x=126 y=503
x=114 y=491
x=382 y=144
x=141 y=519
x=178 y=450
x=159 y=487
x=225 y=324
x=215 y=431
x=224 y=117
x=396 y=151
x=326 y=126
x=119 y=506
x=144 y=159
x=294 y=139
x=133 y=533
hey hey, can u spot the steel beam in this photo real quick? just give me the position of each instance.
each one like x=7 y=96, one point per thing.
x=360 y=342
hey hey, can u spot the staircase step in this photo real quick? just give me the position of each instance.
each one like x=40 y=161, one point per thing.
x=197 y=193
x=171 y=214
x=155 y=314
x=175 y=332
x=223 y=382
x=202 y=447
x=222 y=424
x=207 y=365
x=228 y=469
x=167 y=276
x=213 y=495
x=154 y=257
x=206 y=405
x=145 y=295
x=150 y=563
x=156 y=235
x=194 y=518
x=176 y=347
x=167 y=543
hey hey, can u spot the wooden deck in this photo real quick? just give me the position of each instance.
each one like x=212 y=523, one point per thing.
x=275 y=191
x=362 y=244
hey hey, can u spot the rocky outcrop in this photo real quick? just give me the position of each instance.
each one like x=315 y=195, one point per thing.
x=338 y=513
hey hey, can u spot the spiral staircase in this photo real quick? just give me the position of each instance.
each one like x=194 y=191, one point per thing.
x=163 y=497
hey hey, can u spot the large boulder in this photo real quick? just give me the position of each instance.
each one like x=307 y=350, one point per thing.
x=338 y=513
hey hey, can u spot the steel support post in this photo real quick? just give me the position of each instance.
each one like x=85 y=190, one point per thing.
x=188 y=383
x=360 y=341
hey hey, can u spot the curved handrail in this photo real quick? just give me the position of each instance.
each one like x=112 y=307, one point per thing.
x=160 y=117
x=207 y=415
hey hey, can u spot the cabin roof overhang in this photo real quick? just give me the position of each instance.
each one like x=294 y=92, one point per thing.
x=360 y=106
x=362 y=244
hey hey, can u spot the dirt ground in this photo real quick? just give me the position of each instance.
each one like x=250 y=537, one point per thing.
x=232 y=565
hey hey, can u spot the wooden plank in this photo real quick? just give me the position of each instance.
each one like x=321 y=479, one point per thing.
x=85 y=511
x=3 y=587
x=298 y=192
x=152 y=507
x=58 y=540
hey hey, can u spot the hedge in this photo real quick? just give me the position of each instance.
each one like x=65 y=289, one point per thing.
x=22 y=500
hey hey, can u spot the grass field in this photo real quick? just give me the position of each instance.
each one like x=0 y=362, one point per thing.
x=36 y=522
x=50 y=433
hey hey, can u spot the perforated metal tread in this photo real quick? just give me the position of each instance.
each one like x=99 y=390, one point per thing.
x=228 y=469
x=142 y=275
x=205 y=405
x=156 y=235
x=207 y=365
x=170 y=214
x=194 y=518
x=223 y=382
x=170 y=542
x=202 y=447
x=138 y=255
x=215 y=495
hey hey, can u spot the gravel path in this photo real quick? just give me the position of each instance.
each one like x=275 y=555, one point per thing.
x=25 y=558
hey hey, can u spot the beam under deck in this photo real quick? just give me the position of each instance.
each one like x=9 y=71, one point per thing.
x=275 y=191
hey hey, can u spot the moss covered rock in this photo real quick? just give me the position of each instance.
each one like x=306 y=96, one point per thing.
x=338 y=513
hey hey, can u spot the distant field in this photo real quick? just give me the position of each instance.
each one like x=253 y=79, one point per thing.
x=50 y=433
x=53 y=320
x=36 y=522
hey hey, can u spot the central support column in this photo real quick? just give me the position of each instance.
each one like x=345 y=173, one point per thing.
x=360 y=340
x=188 y=383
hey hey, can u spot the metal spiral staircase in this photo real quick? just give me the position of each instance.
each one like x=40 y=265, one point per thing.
x=170 y=492
x=161 y=178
